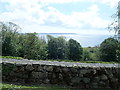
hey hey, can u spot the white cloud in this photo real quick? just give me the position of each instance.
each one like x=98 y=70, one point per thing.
x=30 y=13
x=112 y=3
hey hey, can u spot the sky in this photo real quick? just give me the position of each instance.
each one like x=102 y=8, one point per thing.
x=59 y=16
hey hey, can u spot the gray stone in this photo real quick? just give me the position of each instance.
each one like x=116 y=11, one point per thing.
x=15 y=69
x=76 y=80
x=94 y=71
x=102 y=84
x=60 y=76
x=94 y=85
x=40 y=68
x=74 y=70
x=83 y=71
x=65 y=69
x=46 y=81
x=48 y=68
x=38 y=75
x=86 y=80
x=114 y=80
x=110 y=75
x=21 y=68
x=80 y=75
x=96 y=79
x=29 y=67
x=58 y=69
x=12 y=73
x=103 y=77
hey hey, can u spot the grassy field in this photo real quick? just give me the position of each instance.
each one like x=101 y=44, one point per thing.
x=19 y=58
x=14 y=86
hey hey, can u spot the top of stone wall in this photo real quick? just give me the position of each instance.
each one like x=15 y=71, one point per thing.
x=57 y=63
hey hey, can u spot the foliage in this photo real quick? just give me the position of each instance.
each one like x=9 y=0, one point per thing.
x=11 y=57
x=91 y=53
x=108 y=49
x=57 y=47
x=9 y=37
x=22 y=87
x=86 y=55
x=115 y=25
x=27 y=45
x=118 y=52
x=32 y=47
x=75 y=50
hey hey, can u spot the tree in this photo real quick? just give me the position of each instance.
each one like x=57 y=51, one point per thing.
x=57 y=47
x=9 y=38
x=108 y=49
x=115 y=25
x=75 y=50
x=86 y=55
x=32 y=47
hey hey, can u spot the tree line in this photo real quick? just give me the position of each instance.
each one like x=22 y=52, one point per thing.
x=31 y=46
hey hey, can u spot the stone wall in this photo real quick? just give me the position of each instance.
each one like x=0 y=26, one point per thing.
x=63 y=73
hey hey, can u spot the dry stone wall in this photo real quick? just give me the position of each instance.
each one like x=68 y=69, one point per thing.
x=78 y=75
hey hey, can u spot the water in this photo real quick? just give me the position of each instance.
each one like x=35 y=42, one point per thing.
x=84 y=40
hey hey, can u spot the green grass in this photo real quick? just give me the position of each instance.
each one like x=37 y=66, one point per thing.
x=11 y=57
x=86 y=61
x=11 y=86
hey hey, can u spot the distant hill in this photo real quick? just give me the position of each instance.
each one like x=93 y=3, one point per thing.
x=58 y=33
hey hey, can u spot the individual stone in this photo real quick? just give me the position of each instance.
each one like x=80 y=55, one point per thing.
x=86 y=80
x=65 y=69
x=58 y=69
x=103 y=77
x=29 y=67
x=74 y=70
x=110 y=75
x=80 y=75
x=38 y=75
x=76 y=80
x=48 y=68
x=15 y=69
x=40 y=68
x=35 y=66
x=96 y=79
x=94 y=85
x=60 y=76
x=21 y=68
x=102 y=84
x=46 y=81
x=12 y=73
x=94 y=71
x=114 y=80
x=83 y=71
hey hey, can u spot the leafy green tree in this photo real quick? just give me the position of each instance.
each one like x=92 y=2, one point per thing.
x=108 y=49
x=86 y=55
x=118 y=52
x=32 y=47
x=10 y=45
x=52 y=47
x=57 y=47
x=62 y=48
x=115 y=25
x=75 y=50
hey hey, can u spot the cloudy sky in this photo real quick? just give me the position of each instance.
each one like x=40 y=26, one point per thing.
x=59 y=16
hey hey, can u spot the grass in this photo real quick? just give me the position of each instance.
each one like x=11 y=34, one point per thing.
x=85 y=61
x=11 y=57
x=14 y=86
